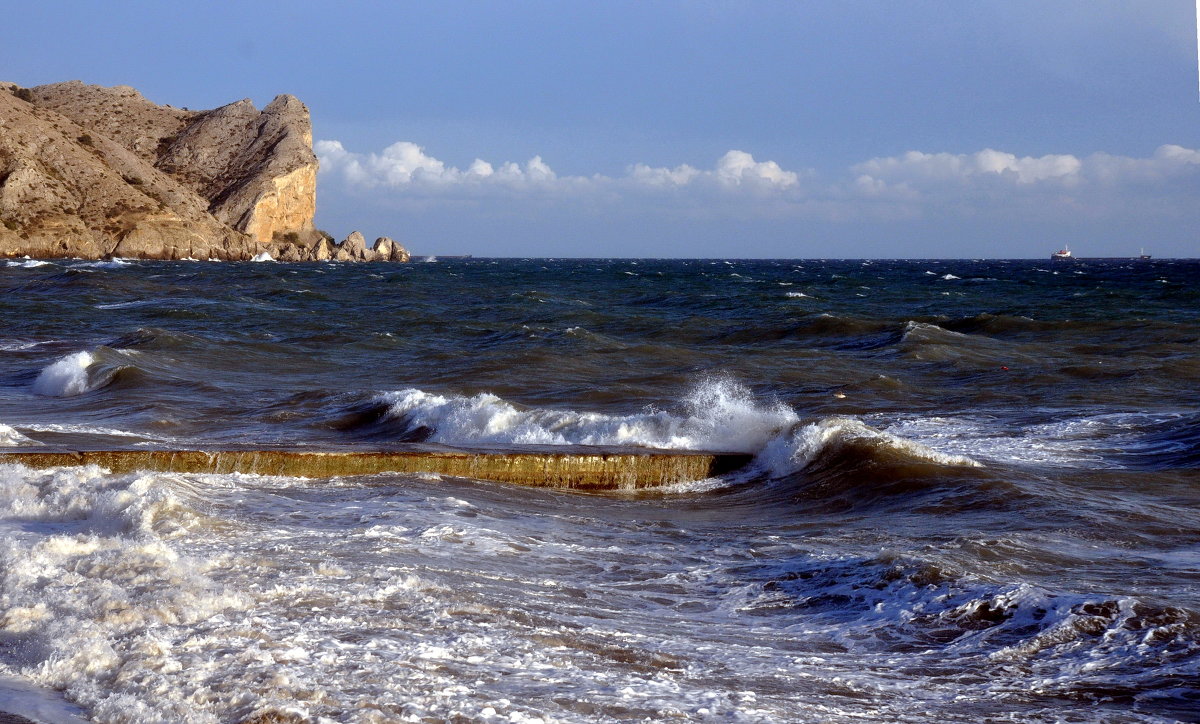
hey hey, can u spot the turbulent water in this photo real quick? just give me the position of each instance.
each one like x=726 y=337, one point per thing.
x=975 y=493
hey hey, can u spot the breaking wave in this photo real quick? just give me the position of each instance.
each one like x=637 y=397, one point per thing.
x=11 y=438
x=82 y=372
x=68 y=377
x=719 y=415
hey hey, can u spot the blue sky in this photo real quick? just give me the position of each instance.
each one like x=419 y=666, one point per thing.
x=863 y=128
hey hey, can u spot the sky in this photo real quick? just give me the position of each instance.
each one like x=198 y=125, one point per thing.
x=805 y=128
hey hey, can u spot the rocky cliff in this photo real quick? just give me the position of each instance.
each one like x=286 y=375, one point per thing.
x=92 y=172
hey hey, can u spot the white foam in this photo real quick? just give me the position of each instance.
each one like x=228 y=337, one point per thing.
x=29 y=264
x=66 y=377
x=11 y=438
x=262 y=256
x=804 y=444
x=718 y=414
x=90 y=581
x=18 y=346
x=81 y=429
x=1076 y=442
x=948 y=277
x=114 y=263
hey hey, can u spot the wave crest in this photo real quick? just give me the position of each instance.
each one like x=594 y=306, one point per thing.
x=804 y=445
x=717 y=415
x=9 y=437
x=67 y=376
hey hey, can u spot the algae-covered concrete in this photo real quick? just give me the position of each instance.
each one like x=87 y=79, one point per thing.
x=600 y=470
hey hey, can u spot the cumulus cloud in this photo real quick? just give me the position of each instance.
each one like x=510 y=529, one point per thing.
x=405 y=165
x=916 y=167
x=903 y=186
x=936 y=172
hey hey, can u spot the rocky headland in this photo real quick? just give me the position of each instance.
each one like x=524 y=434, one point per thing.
x=93 y=172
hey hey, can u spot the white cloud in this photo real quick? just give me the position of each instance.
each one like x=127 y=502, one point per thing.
x=405 y=165
x=909 y=185
x=940 y=173
x=738 y=167
x=925 y=168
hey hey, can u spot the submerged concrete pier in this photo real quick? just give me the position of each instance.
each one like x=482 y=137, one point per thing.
x=592 y=470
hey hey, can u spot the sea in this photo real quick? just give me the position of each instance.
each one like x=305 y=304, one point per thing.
x=974 y=493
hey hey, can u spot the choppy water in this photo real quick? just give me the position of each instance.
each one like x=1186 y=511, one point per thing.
x=975 y=494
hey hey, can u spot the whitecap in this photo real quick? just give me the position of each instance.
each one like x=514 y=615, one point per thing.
x=18 y=346
x=804 y=444
x=114 y=263
x=9 y=437
x=262 y=256
x=718 y=414
x=66 y=377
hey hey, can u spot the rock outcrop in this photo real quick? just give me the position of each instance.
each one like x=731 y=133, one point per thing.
x=93 y=172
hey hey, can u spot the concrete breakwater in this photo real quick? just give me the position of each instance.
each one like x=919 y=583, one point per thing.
x=597 y=470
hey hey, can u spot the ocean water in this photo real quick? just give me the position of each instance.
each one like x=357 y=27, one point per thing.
x=975 y=493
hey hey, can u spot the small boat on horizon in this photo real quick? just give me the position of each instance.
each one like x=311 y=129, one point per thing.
x=1142 y=254
x=1063 y=253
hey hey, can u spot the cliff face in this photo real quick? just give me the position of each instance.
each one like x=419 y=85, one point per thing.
x=91 y=171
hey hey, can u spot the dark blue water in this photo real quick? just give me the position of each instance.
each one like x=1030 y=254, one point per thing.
x=974 y=494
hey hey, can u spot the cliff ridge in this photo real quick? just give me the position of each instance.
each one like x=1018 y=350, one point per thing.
x=93 y=172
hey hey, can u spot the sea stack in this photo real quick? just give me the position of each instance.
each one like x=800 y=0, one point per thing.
x=94 y=172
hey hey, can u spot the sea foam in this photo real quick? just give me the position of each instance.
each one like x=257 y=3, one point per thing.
x=718 y=414
x=66 y=377
x=10 y=437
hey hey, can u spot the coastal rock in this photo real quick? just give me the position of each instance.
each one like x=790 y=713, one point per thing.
x=92 y=172
x=321 y=251
x=256 y=170
x=383 y=248
x=354 y=247
x=291 y=252
x=81 y=176
x=399 y=253
x=68 y=191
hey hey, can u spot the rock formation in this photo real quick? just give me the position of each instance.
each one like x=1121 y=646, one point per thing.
x=92 y=172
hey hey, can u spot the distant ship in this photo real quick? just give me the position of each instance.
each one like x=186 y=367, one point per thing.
x=1143 y=254
x=1063 y=253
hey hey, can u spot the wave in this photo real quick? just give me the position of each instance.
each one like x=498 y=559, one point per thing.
x=11 y=438
x=1084 y=646
x=68 y=377
x=27 y=263
x=717 y=415
x=87 y=371
x=1127 y=440
x=114 y=263
x=818 y=442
